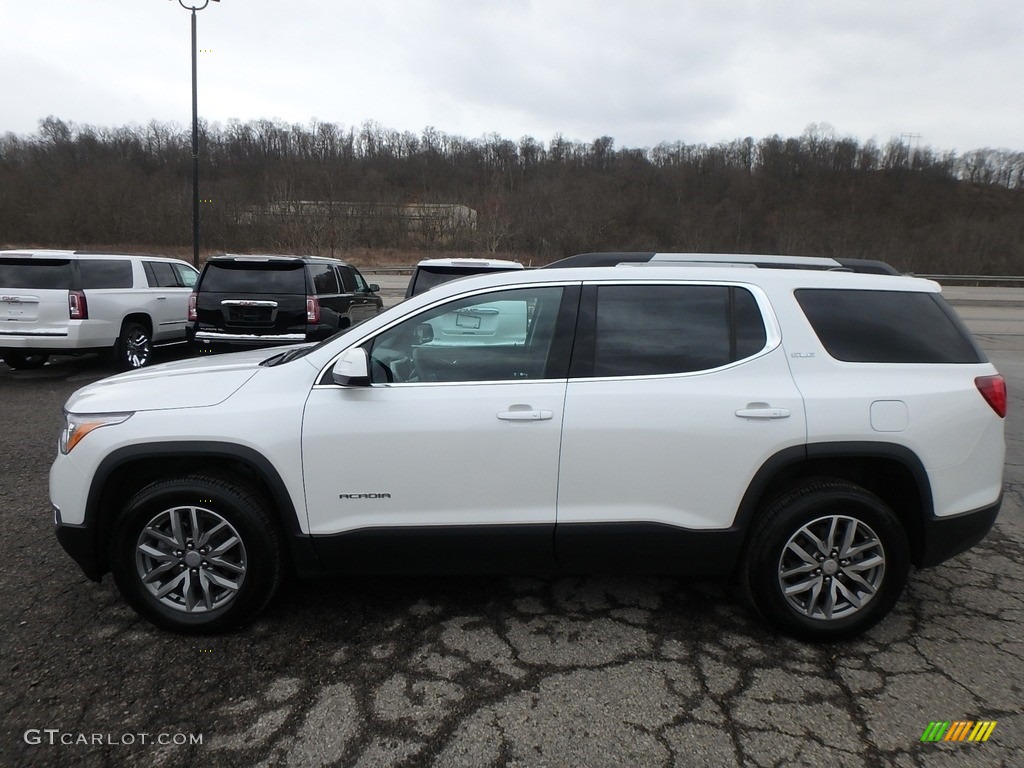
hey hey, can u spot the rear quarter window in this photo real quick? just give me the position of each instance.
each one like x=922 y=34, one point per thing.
x=105 y=273
x=36 y=274
x=325 y=279
x=888 y=326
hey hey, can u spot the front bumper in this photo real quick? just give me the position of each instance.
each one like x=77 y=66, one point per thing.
x=946 y=537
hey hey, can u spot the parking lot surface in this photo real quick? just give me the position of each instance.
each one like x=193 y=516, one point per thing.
x=583 y=671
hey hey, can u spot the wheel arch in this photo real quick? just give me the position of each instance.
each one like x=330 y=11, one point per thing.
x=892 y=472
x=142 y=318
x=129 y=469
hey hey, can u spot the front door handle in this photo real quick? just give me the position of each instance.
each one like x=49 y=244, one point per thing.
x=526 y=415
x=763 y=412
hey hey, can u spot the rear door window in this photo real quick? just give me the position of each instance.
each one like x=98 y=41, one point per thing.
x=160 y=274
x=35 y=274
x=887 y=326
x=647 y=330
x=348 y=279
x=105 y=273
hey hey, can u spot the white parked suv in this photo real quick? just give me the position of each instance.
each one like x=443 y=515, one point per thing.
x=431 y=273
x=68 y=302
x=809 y=433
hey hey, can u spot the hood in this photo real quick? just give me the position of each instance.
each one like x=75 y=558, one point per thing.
x=194 y=383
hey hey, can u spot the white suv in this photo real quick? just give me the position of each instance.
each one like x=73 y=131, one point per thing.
x=808 y=433
x=431 y=273
x=68 y=302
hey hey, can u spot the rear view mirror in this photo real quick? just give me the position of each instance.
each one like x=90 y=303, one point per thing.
x=352 y=369
x=373 y=288
x=424 y=333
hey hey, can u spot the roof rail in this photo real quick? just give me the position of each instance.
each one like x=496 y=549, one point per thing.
x=615 y=258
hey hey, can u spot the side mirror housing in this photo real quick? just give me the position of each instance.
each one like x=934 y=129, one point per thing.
x=373 y=288
x=352 y=369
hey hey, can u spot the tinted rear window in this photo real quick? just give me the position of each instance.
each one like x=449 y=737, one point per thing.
x=35 y=274
x=254 y=277
x=888 y=327
x=431 y=277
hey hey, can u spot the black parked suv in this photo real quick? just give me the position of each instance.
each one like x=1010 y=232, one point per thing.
x=257 y=301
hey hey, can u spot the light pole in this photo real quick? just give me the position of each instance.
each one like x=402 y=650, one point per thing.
x=195 y=133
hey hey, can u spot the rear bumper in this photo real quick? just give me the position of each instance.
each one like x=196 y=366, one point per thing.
x=946 y=537
x=208 y=339
x=212 y=337
x=212 y=341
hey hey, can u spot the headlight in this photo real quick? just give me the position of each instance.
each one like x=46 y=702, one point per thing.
x=77 y=426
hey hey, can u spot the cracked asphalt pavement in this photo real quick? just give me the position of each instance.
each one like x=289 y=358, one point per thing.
x=633 y=671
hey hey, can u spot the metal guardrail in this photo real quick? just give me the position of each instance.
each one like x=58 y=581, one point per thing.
x=386 y=270
x=1011 y=281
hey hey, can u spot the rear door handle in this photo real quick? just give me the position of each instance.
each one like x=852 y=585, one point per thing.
x=763 y=413
x=526 y=415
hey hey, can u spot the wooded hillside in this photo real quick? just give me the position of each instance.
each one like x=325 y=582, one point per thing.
x=921 y=210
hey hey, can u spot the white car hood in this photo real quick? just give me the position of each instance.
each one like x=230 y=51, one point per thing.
x=194 y=383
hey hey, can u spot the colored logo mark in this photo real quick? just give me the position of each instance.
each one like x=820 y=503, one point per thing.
x=959 y=730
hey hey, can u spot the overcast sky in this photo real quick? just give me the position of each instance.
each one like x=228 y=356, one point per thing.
x=642 y=71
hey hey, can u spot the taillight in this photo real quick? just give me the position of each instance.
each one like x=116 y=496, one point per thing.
x=78 y=309
x=312 y=309
x=192 y=315
x=993 y=389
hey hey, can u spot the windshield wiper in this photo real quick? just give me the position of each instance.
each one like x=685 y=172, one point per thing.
x=288 y=354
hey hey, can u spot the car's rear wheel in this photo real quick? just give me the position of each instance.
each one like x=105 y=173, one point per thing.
x=25 y=361
x=134 y=347
x=197 y=554
x=826 y=561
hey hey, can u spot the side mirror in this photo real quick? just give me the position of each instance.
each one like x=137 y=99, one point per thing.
x=373 y=288
x=424 y=333
x=352 y=369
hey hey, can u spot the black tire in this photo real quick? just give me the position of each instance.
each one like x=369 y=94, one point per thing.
x=25 y=361
x=831 y=597
x=134 y=347
x=195 y=571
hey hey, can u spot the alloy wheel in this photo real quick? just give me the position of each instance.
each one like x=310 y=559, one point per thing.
x=191 y=559
x=831 y=567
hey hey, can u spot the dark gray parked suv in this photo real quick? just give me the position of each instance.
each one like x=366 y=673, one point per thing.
x=257 y=301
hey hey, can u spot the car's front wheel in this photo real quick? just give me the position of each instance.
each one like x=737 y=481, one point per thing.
x=826 y=561
x=197 y=554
